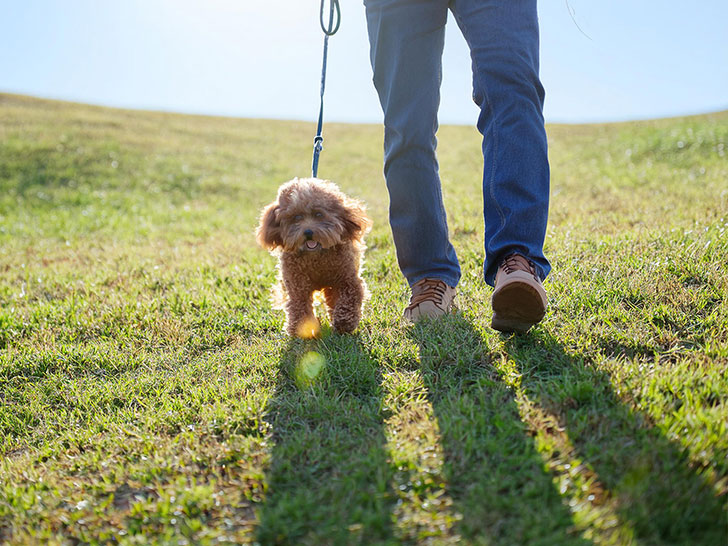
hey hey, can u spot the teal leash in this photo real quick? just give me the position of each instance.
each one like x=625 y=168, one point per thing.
x=329 y=30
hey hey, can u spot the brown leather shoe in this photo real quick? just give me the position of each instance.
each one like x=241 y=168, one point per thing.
x=519 y=300
x=431 y=298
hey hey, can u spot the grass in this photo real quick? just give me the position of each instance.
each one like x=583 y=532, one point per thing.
x=148 y=394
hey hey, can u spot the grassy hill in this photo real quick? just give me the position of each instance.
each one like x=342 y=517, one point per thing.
x=148 y=394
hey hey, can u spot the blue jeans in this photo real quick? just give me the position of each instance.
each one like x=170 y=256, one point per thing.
x=407 y=39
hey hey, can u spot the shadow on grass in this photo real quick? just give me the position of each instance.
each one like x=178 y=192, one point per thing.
x=329 y=480
x=658 y=492
x=494 y=474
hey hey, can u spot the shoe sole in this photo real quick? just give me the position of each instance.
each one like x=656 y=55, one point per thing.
x=516 y=308
x=416 y=317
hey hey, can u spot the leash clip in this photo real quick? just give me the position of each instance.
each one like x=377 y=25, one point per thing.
x=318 y=143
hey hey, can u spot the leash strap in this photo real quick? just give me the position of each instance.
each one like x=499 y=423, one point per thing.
x=329 y=30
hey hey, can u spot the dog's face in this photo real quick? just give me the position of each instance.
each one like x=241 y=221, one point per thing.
x=310 y=215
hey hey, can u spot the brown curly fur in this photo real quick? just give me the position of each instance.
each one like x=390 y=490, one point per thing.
x=314 y=213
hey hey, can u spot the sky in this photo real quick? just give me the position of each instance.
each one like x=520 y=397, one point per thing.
x=600 y=61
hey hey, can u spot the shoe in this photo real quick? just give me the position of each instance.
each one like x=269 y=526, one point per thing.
x=431 y=298
x=519 y=300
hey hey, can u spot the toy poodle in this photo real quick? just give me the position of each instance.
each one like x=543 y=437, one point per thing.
x=318 y=234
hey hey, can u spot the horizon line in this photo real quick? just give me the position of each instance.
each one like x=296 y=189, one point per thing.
x=229 y=115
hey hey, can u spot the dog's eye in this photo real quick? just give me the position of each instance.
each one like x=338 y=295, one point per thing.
x=319 y=215
x=298 y=217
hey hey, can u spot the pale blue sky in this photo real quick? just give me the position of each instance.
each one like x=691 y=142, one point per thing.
x=245 y=58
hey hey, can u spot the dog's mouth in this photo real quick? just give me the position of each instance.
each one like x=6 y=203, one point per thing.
x=311 y=245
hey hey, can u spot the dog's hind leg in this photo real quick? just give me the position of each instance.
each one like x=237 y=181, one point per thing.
x=332 y=296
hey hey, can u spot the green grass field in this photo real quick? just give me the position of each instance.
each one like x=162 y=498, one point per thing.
x=148 y=394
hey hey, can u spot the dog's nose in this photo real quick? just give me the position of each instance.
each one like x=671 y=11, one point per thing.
x=308 y=233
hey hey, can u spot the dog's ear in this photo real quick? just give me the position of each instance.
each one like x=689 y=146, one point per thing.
x=269 y=234
x=356 y=222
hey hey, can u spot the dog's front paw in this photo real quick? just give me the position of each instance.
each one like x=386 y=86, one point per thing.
x=308 y=327
x=345 y=323
x=345 y=327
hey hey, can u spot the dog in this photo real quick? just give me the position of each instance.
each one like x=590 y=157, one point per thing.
x=317 y=233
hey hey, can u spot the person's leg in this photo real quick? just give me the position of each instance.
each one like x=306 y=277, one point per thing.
x=503 y=38
x=406 y=39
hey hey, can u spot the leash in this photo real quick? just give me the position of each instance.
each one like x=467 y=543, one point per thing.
x=329 y=30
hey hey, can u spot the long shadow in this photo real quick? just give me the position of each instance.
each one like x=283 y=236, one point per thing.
x=656 y=489
x=494 y=474
x=329 y=481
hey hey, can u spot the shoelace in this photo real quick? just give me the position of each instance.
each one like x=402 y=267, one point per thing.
x=516 y=262
x=427 y=290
